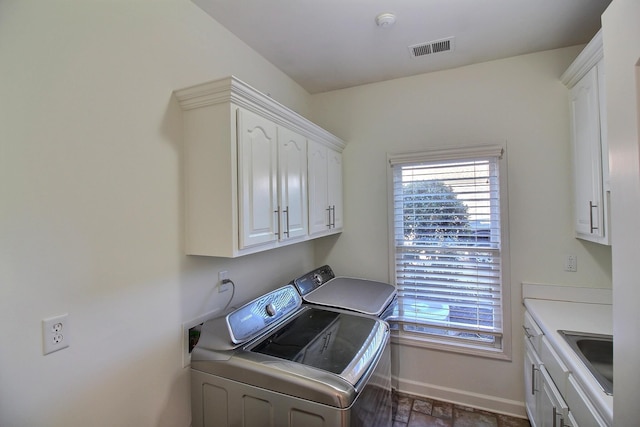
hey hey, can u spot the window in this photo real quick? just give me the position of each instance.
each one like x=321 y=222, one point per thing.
x=449 y=248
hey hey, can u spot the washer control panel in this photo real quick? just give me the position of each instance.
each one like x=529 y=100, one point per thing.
x=256 y=316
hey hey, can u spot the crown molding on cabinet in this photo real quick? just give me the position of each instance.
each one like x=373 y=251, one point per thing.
x=585 y=61
x=231 y=89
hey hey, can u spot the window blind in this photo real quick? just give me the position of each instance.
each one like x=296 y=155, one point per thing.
x=446 y=221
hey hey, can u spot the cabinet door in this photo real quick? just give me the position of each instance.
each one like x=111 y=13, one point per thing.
x=257 y=175
x=589 y=206
x=552 y=409
x=334 y=165
x=292 y=170
x=582 y=409
x=318 y=188
x=531 y=382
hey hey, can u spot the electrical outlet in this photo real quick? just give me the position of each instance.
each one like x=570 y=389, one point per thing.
x=571 y=263
x=55 y=333
x=223 y=275
x=223 y=284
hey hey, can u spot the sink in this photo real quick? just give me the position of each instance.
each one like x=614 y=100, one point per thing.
x=596 y=352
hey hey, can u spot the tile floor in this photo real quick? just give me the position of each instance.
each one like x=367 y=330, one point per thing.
x=412 y=411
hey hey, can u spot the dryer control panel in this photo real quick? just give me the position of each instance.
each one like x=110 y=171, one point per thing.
x=313 y=279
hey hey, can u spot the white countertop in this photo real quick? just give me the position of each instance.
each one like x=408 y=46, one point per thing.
x=580 y=317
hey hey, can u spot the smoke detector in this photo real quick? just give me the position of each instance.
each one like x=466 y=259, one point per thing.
x=385 y=20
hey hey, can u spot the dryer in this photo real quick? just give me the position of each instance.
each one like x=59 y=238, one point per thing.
x=322 y=287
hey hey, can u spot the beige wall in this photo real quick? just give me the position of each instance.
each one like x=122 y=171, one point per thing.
x=621 y=35
x=519 y=101
x=91 y=207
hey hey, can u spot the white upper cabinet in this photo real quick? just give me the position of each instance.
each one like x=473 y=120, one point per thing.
x=292 y=167
x=245 y=170
x=585 y=130
x=335 y=189
x=585 y=80
x=325 y=190
x=258 y=176
x=272 y=166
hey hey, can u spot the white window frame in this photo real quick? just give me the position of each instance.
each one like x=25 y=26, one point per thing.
x=399 y=335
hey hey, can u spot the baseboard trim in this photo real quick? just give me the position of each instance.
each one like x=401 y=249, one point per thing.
x=512 y=408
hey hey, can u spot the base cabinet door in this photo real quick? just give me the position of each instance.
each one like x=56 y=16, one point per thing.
x=553 y=410
x=583 y=412
x=531 y=383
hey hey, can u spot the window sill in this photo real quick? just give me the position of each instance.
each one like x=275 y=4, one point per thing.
x=448 y=346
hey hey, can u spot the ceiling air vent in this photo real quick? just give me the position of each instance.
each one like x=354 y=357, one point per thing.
x=436 y=46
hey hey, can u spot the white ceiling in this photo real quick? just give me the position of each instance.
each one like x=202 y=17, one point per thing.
x=333 y=44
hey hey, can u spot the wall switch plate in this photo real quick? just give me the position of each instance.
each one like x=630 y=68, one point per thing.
x=55 y=333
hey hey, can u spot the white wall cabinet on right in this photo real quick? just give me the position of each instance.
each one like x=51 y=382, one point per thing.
x=585 y=80
x=325 y=190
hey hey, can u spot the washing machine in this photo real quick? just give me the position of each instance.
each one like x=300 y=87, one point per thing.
x=278 y=362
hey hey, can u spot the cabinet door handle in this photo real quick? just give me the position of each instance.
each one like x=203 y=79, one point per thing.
x=329 y=212
x=526 y=332
x=533 y=379
x=277 y=212
x=555 y=415
x=333 y=223
x=591 y=206
x=286 y=211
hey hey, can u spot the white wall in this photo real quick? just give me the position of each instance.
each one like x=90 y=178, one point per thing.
x=518 y=100
x=621 y=35
x=91 y=207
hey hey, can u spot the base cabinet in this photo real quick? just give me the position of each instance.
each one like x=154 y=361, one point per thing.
x=543 y=401
x=553 y=397
x=251 y=181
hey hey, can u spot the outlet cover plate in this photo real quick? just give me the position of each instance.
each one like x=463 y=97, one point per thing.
x=55 y=333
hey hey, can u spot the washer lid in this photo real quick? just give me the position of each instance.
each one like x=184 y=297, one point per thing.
x=361 y=295
x=338 y=342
